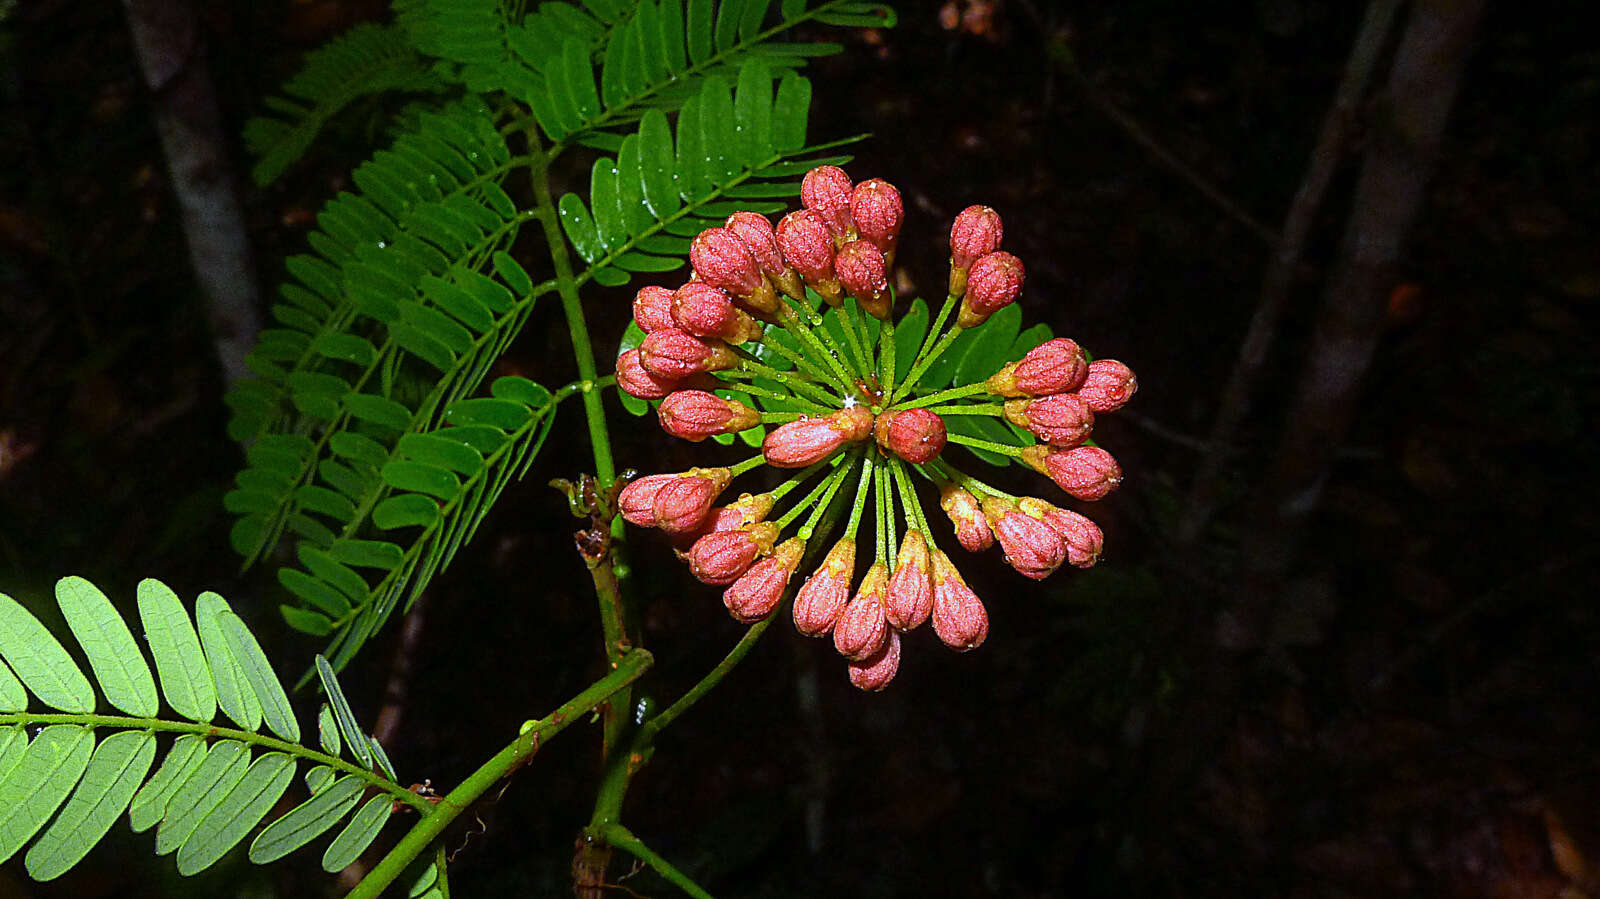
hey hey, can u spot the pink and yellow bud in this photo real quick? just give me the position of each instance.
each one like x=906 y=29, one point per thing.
x=862 y=628
x=810 y=440
x=1055 y=366
x=1031 y=546
x=861 y=271
x=1108 y=386
x=682 y=504
x=672 y=353
x=1082 y=537
x=975 y=232
x=652 y=308
x=966 y=515
x=826 y=191
x=719 y=558
x=1061 y=419
x=959 y=617
x=757 y=233
x=875 y=673
x=705 y=311
x=909 y=600
x=697 y=414
x=637 y=501
x=876 y=207
x=994 y=282
x=808 y=247
x=759 y=590
x=915 y=435
x=724 y=261
x=823 y=596
x=1085 y=472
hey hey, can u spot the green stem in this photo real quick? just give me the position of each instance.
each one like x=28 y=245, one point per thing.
x=251 y=738
x=805 y=502
x=831 y=353
x=938 y=323
x=806 y=365
x=926 y=362
x=753 y=390
x=623 y=839
x=908 y=496
x=994 y=410
x=781 y=418
x=749 y=464
x=885 y=538
x=970 y=483
x=796 y=381
x=886 y=348
x=848 y=324
x=862 y=485
x=810 y=526
x=1003 y=449
x=507 y=760
x=953 y=393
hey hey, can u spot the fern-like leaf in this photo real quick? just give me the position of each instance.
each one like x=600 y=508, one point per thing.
x=215 y=785
x=368 y=59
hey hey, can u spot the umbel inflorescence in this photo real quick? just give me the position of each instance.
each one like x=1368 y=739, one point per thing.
x=793 y=329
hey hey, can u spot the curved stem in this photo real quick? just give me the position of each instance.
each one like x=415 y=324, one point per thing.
x=496 y=769
x=623 y=839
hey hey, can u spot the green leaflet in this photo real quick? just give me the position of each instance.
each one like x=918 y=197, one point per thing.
x=307 y=821
x=234 y=692
x=113 y=654
x=990 y=346
x=257 y=671
x=40 y=781
x=149 y=805
x=40 y=662
x=13 y=698
x=237 y=812
x=354 y=737
x=221 y=770
x=357 y=835
x=328 y=730
x=115 y=771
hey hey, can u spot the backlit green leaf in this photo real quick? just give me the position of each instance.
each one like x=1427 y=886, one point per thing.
x=115 y=771
x=40 y=662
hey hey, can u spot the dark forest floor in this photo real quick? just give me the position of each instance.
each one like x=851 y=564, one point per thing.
x=1416 y=724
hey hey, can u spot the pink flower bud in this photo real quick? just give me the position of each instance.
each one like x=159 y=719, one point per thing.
x=976 y=232
x=959 y=617
x=675 y=354
x=972 y=529
x=823 y=596
x=915 y=435
x=826 y=191
x=876 y=207
x=724 y=261
x=652 y=308
x=860 y=268
x=993 y=283
x=721 y=557
x=808 y=440
x=759 y=590
x=875 y=673
x=1109 y=385
x=807 y=246
x=1082 y=537
x=1054 y=366
x=681 y=504
x=1060 y=419
x=705 y=311
x=1085 y=472
x=757 y=234
x=861 y=629
x=696 y=414
x=637 y=501
x=909 y=600
x=744 y=511
x=1032 y=547
x=635 y=380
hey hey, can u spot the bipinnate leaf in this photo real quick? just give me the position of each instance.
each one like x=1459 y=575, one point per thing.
x=39 y=782
x=115 y=771
x=185 y=676
x=40 y=662
x=113 y=654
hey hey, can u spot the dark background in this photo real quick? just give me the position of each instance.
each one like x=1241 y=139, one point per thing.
x=1412 y=723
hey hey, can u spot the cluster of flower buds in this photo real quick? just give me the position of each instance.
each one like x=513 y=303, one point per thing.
x=746 y=347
